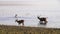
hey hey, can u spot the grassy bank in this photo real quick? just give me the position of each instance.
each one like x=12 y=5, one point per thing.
x=4 y=29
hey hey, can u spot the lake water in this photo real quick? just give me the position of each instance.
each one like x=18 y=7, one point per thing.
x=30 y=21
x=7 y=13
x=50 y=9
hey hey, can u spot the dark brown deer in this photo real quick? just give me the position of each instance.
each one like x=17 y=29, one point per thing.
x=42 y=20
x=20 y=22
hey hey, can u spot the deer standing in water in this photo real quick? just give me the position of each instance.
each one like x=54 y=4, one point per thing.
x=42 y=20
x=19 y=21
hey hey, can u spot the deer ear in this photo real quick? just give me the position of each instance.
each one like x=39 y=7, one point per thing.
x=15 y=20
x=37 y=16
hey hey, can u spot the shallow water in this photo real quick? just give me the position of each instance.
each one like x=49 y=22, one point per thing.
x=29 y=21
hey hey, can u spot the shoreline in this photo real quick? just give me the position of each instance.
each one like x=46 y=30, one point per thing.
x=28 y=26
x=4 y=29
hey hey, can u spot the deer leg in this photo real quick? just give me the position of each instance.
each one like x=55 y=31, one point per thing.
x=18 y=24
x=41 y=22
x=45 y=22
x=23 y=24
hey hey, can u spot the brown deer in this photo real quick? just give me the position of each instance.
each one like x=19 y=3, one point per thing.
x=20 y=22
x=42 y=20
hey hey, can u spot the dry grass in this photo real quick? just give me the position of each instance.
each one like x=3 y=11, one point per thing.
x=27 y=30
